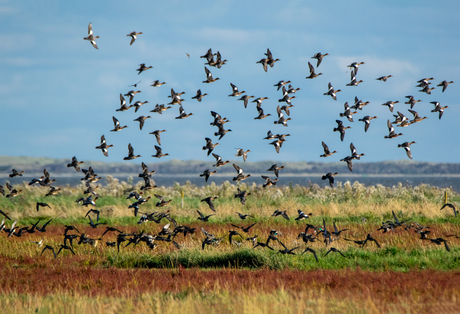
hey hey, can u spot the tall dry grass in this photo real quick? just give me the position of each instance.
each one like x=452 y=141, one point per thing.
x=220 y=300
x=345 y=200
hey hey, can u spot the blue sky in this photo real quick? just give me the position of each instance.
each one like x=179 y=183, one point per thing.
x=59 y=93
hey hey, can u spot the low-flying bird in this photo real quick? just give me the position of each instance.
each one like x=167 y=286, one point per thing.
x=244 y=216
x=94 y=225
x=43 y=228
x=242 y=153
x=307 y=249
x=370 y=238
x=231 y=234
x=286 y=250
x=330 y=176
x=15 y=173
x=64 y=247
x=242 y=195
x=207 y=173
x=240 y=176
x=209 y=200
x=336 y=231
x=75 y=163
x=302 y=215
x=203 y=217
x=162 y=201
x=275 y=168
x=219 y=161
x=49 y=247
x=43 y=205
x=282 y=213
x=439 y=241
x=451 y=206
x=245 y=229
x=269 y=181
x=97 y=212
x=333 y=249
x=4 y=214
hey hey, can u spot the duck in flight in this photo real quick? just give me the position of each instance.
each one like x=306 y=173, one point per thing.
x=133 y=36
x=91 y=38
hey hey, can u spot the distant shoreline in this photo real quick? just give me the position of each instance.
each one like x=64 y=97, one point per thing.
x=231 y=175
x=33 y=166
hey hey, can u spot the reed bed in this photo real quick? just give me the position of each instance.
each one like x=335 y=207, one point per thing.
x=350 y=201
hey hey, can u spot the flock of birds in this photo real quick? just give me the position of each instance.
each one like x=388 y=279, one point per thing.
x=169 y=232
x=282 y=111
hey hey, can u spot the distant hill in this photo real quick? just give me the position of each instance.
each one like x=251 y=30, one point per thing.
x=35 y=165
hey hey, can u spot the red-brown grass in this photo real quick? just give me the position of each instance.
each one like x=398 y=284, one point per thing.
x=418 y=288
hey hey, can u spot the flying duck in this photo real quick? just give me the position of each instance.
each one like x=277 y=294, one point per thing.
x=131 y=155
x=406 y=146
x=141 y=121
x=318 y=56
x=91 y=38
x=133 y=36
